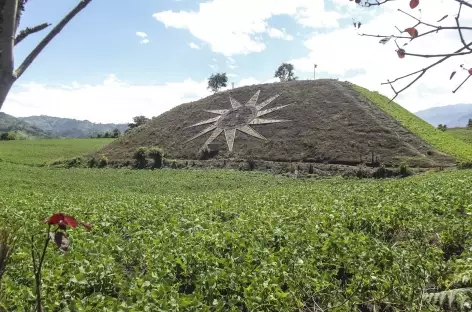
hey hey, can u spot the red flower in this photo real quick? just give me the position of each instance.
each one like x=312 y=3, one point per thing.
x=64 y=221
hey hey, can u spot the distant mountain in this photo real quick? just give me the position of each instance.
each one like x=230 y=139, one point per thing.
x=451 y=115
x=9 y=123
x=71 y=128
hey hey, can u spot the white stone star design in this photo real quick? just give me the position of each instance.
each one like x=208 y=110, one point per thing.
x=239 y=117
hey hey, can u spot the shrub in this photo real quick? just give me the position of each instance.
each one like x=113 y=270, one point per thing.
x=404 y=170
x=11 y=136
x=140 y=157
x=251 y=164
x=4 y=136
x=157 y=155
x=103 y=162
x=92 y=162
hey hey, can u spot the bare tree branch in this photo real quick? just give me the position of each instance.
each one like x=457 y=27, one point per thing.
x=28 y=31
x=459 y=26
x=465 y=50
x=375 y=3
x=56 y=30
x=421 y=72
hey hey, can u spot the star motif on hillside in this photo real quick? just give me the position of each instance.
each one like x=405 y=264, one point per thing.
x=238 y=117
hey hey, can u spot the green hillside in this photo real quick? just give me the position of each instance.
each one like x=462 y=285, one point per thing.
x=443 y=141
x=72 y=128
x=39 y=152
x=22 y=128
x=464 y=134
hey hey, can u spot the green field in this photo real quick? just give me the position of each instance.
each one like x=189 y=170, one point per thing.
x=39 y=152
x=189 y=240
x=443 y=141
x=463 y=134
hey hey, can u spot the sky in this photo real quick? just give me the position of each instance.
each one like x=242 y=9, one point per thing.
x=119 y=59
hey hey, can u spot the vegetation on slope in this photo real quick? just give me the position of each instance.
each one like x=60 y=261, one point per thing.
x=72 y=128
x=464 y=134
x=443 y=141
x=171 y=240
x=39 y=152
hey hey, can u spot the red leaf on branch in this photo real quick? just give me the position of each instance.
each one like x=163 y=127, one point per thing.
x=452 y=75
x=470 y=71
x=414 y=3
x=412 y=31
x=401 y=53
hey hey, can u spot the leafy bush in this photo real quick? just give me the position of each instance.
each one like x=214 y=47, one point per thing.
x=157 y=155
x=103 y=162
x=140 y=157
x=404 y=170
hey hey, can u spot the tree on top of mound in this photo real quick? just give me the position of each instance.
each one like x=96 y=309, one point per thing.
x=411 y=32
x=137 y=122
x=285 y=72
x=10 y=15
x=217 y=81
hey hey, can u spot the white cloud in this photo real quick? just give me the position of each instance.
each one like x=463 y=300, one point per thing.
x=113 y=100
x=364 y=61
x=231 y=63
x=142 y=35
x=194 y=46
x=235 y=27
x=279 y=34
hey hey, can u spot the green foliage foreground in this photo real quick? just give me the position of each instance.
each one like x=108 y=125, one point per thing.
x=171 y=240
x=441 y=140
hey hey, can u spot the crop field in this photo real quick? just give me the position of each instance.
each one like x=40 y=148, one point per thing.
x=39 y=152
x=189 y=240
x=443 y=141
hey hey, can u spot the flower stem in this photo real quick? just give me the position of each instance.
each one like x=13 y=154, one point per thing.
x=37 y=274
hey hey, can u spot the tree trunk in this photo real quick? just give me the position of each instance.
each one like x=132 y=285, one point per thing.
x=6 y=82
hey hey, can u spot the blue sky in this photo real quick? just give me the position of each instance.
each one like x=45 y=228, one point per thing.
x=98 y=67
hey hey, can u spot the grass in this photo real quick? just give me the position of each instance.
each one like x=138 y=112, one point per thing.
x=443 y=141
x=464 y=134
x=39 y=152
x=189 y=240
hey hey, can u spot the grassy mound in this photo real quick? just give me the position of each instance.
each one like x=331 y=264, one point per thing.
x=325 y=122
x=39 y=152
x=443 y=141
